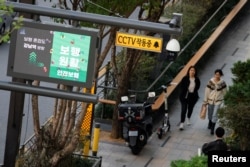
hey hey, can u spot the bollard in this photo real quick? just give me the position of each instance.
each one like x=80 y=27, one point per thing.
x=86 y=146
x=199 y=152
x=96 y=139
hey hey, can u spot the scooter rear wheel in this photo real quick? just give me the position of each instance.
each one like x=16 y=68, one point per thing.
x=136 y=150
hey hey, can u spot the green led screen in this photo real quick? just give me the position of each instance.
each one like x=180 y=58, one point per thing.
x=69 y=56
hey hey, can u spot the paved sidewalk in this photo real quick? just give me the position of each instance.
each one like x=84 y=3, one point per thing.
x=232 y=46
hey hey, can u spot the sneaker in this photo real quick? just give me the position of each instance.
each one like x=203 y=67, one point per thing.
x=212 y=132
x=188 y=121
x=181 y=126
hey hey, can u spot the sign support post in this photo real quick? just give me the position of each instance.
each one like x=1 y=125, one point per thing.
x=14 y=126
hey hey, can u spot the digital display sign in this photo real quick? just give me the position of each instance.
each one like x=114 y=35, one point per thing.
x=53 y=53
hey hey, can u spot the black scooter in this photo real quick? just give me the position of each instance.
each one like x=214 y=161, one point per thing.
x=138 y=122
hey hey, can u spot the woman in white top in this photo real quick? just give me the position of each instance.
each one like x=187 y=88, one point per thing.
x=214 y=94
x=189 y=85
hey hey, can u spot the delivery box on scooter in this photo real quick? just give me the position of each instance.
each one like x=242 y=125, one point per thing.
x=131 y=112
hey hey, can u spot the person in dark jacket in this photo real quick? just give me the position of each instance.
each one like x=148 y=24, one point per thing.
x=189 y=86
x=218 y=144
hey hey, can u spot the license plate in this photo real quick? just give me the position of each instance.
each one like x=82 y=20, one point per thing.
x=132 y=133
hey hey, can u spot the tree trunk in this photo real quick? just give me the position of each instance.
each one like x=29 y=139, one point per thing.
x=71 y=144
x=36 y=118
x=66 y=150
x=106 y=49
x=132 y=58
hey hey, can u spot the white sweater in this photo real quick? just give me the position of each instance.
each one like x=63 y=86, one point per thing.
x=215 y=91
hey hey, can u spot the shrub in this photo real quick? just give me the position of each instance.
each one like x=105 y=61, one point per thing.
x=196 y=161
x=235 y=115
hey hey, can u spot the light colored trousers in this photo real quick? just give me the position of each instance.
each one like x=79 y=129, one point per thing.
x=212 y=112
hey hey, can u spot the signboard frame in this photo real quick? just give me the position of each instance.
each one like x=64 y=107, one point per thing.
x=37 y=27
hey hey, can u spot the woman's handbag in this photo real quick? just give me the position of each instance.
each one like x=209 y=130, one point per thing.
x=203 y=111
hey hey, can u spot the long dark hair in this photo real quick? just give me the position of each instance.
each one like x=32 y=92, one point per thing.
x=195 y=75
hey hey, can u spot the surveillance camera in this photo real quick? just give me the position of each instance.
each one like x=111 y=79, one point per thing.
x=173 y=23
x=173 y=48
x=176 y=21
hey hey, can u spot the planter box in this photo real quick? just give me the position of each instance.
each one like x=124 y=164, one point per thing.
x=79 y=160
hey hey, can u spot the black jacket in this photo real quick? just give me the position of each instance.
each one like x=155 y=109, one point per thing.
x=184 y=84
x=217 y=145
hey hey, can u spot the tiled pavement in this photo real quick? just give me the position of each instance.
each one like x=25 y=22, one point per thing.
x=232 y=46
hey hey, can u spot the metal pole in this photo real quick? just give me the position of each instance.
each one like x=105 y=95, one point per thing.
x=96 y=18
x=50 y=92
x=14 y=126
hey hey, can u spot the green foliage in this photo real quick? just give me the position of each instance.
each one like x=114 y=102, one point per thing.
x=76 y=161
x=238 y=93
x=241 y=71
x=233 y=142
x=237 y=118
x=141 y=74
x=15 y=25
x=235 y=115
x=192 y=15
x=8 y=10
x=196 y=161
x=140 y=78
x=121 y=59
x=4 y=7
x=112 y=7
x=104 y=111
